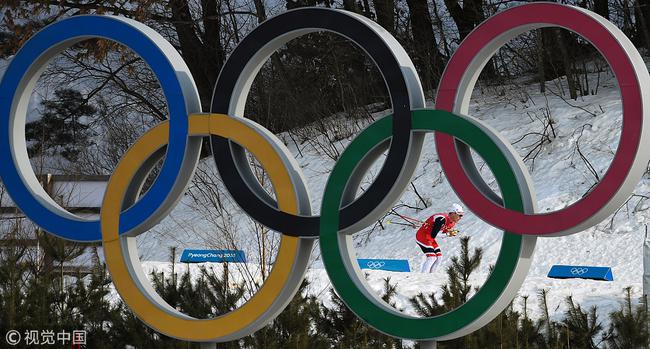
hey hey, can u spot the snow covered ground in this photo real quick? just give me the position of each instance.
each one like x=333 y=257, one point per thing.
x=560 y=178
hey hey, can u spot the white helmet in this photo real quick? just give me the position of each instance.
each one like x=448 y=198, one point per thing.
x=456 y=208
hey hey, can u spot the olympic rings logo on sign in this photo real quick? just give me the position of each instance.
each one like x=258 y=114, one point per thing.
x=375 y=265
x=579 y=271
x=342 y=213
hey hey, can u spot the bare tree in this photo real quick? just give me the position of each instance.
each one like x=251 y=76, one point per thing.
x=427 y=58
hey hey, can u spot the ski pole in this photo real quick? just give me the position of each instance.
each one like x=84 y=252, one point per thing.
x=408 y=219
x=411 y=219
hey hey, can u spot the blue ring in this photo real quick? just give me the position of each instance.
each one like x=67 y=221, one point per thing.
x=80 y=28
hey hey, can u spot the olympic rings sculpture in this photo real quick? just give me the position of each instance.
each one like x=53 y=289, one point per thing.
x=124 y=214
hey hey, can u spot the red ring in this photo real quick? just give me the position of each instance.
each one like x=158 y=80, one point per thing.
x=582 y=23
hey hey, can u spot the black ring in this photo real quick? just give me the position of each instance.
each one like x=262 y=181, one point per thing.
x=254 y=201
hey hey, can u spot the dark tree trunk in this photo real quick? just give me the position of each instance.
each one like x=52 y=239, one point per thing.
x=350 y=5
x=427 y=59
x=204 y=56
x=601 y=7
x=541 y=74
x=642 y=14
x=564 y=41
x=260 y=10
x=553 y=64
x=385 y=10
x=557 y=50
x=466 y=17
x=366 y=9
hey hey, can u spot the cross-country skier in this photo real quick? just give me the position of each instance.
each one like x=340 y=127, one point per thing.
x=426 y=236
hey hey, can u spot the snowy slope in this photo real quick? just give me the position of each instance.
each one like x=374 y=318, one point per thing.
x=560 y=179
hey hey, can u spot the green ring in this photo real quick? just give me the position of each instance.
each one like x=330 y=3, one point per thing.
x=335 y=247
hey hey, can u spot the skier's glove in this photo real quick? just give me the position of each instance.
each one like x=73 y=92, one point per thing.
x=453 y=233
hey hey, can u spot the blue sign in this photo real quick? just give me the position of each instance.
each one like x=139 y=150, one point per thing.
x=217 y=256
x=385 y=264
x=581 y=272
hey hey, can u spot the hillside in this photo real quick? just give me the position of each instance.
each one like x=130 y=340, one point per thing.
x=560 y=178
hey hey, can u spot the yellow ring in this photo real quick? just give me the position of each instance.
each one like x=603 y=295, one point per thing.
x=162 y=317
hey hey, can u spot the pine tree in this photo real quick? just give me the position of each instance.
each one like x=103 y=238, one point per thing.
x=91 y=309
x=502 y=332
x=552 y=336
x=529 y=333
x=581 y=326
x=13 y=284
x=63 y=128
x=219 y=293
x=40 y=303
x=208 y=296
x=378 y=339
x=129 y=331
x=454 y=293
x=293 y=328
x=629 y=326
x=426 y=305
x=344 y=329
x=58 y=250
